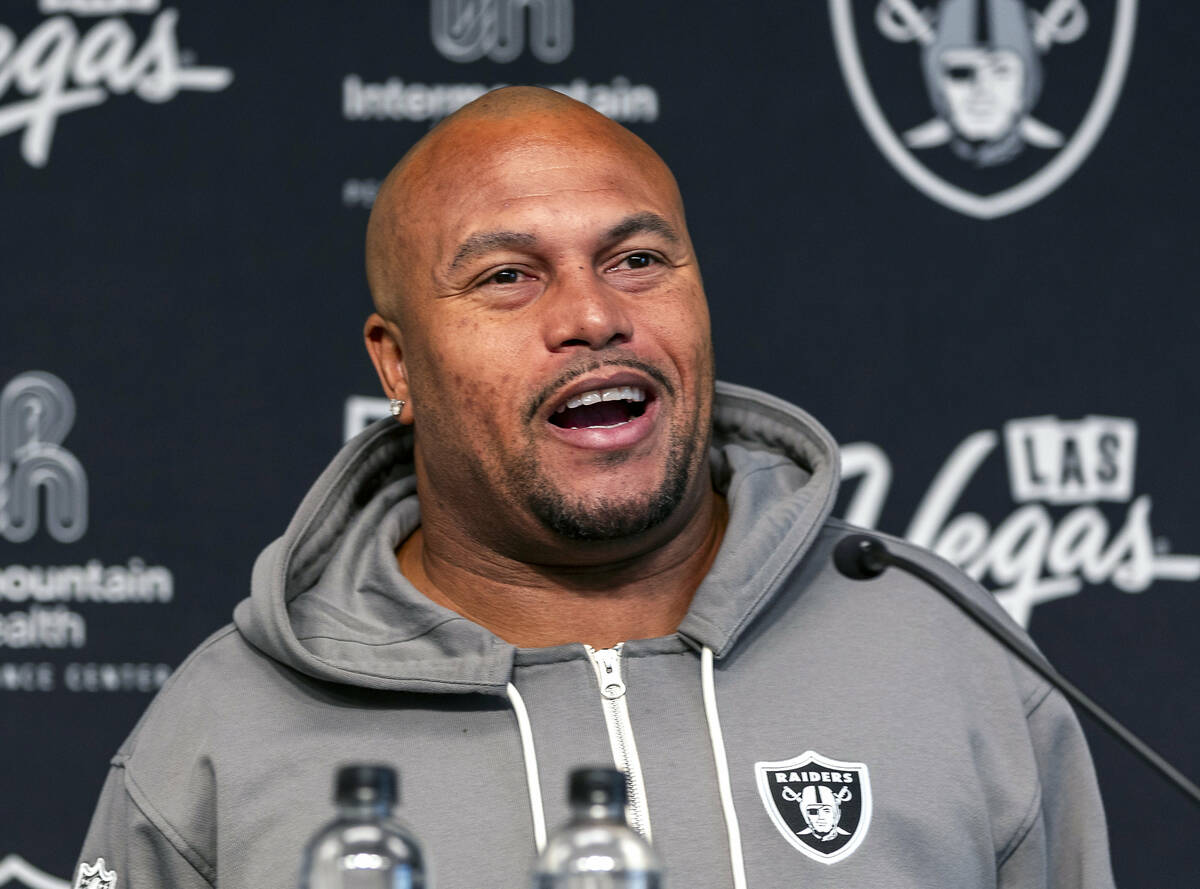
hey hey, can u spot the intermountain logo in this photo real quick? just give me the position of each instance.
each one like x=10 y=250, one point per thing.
x=57 y=68
x=983 y=67
x=36 y=413
x=43 y=486
x=469 y=30
x=1057 y=539
x=498 y=31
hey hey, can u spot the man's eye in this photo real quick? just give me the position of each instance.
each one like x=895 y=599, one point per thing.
x=638 y=261
x=504 y=276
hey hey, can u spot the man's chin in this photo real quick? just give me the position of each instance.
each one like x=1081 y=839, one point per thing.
x=600 y=519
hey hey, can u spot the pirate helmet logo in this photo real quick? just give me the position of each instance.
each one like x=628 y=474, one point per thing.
x=821 y=806
x=983 y=77
x=822 y=810
x=982 y=66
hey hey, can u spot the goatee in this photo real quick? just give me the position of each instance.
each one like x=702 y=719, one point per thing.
x=609 y=519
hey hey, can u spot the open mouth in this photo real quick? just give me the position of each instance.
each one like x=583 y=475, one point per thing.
x=601 y=408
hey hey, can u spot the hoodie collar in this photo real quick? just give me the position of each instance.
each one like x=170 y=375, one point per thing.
x=328 y=599
x=779 y=470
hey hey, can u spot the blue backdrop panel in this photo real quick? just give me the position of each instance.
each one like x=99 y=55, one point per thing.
x=964 y=244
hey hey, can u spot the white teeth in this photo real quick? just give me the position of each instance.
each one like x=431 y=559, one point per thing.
x=595 y=396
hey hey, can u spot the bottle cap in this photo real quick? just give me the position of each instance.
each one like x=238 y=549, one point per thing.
x=597 y=786
x=366 y=785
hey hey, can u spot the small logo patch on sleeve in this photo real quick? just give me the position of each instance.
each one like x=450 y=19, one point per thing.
x=95 y=876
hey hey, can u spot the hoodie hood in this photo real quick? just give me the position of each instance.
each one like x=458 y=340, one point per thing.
x=328 y=599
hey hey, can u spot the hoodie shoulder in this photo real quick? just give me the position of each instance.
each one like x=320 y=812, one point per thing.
x=166 y=763
x=1031 y=687
x=198 y=699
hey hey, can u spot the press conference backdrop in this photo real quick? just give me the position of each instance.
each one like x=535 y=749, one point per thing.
x=966 y=243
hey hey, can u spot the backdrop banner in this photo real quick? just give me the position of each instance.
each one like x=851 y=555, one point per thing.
x=956 y=239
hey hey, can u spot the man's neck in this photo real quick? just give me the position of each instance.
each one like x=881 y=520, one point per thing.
x=536 y=606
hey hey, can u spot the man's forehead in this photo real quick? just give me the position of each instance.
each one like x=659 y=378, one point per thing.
x=527 y=195
x=485 y=177
x=516 y=166
x=569 y=141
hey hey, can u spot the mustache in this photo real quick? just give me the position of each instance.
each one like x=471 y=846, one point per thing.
x=587 y=367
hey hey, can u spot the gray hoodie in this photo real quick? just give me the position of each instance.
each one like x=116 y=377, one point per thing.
x=847 y=733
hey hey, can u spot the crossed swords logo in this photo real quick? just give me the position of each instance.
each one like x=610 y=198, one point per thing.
x=1061 y=21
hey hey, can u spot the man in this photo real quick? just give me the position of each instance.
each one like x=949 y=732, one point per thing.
x=571 y=548
x=984 y=76
x=822 y=810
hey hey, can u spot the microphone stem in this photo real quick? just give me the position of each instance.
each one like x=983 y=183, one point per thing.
x=1039 y=665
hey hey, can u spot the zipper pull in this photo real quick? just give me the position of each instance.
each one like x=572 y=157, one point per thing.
x=607 y=663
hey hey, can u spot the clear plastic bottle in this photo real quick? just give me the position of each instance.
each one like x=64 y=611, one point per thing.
x=363 y=847
x=597 y=849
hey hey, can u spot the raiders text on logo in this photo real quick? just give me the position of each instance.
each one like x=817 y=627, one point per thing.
x=821 y=806
x=982 y=66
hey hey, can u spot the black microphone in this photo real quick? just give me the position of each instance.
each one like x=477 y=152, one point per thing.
x=862 y=557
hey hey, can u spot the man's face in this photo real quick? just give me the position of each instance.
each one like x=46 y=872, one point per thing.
x=984 y=89
x=544 y=275
x=822 y=818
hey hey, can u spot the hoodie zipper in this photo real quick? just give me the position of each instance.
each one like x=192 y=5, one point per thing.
x=607 y=664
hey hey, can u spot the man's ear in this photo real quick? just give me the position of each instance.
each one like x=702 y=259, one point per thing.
x=386 y=349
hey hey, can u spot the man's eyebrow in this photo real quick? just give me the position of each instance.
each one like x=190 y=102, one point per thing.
x=643 y=223
x=484 y=242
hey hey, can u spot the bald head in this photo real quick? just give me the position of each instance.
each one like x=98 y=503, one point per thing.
x=503 y=123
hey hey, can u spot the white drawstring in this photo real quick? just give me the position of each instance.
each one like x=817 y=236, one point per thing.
x=531 y=769
x=709 y=692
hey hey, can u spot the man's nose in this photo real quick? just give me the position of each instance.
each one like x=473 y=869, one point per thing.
x=583 y=311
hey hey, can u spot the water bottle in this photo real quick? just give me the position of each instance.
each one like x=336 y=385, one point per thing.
x=597 y=849
x=363 y=847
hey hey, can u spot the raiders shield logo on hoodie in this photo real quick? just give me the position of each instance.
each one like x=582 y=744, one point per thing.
x=822 y=806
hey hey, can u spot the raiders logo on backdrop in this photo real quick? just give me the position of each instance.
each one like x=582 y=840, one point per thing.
x=95 y=876
x=822 y=806
x=984 y=105
x=17 y=873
